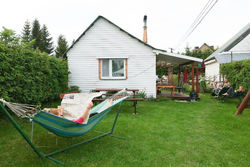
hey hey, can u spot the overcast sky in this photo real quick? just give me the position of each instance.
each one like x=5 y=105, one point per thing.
x=168 y=20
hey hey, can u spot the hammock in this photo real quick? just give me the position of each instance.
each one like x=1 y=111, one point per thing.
x=61 y=126
x=66 y=128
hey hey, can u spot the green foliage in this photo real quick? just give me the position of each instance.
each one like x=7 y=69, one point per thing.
x=206 y=53
x=8 y=37
x=204 y=88
x=188 y=51
x=237 y=73
x=46 y=41
x=27 y=75
x=73 y=89
x=187 y=87
x=198 y=53
x=142 y=94
x=163 y=70
x=40 y=36
x=26 y=33
x=62 y=46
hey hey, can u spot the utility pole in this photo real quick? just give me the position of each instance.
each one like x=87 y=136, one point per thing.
x=171 y=50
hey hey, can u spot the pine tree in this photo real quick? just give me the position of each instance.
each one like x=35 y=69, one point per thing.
x=62 y=46
x=26 y=33
x=36 y=34
x=46 y=41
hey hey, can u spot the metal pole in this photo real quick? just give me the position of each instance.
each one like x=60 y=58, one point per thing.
x=32 y=131
x=119 y=109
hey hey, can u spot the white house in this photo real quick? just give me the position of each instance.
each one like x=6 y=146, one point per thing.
x=106 y=56
x=235 y=49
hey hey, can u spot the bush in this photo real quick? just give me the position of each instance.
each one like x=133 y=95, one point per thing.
x=73 y=89
x=27 y=75
x=187 y=87
x=237 y=73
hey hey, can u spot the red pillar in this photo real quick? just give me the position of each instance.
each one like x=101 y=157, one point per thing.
x=192 y=76
x=197 y=81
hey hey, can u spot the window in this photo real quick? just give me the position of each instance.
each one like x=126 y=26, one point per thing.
x=113 y=68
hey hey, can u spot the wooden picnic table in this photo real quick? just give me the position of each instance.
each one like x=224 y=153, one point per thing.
x=165 y=86
x=132 y=98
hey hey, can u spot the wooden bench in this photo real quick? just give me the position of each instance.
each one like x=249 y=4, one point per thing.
x=158 y=86
x=133 y=97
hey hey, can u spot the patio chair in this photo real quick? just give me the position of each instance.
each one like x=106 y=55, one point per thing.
x=180 y=86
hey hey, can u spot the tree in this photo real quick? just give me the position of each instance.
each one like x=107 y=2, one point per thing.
x=26 y=33
x=46 y=41
x=206 y=53
x=62 y=46
x=187 y=51
x=36 y=34
x=8 y=37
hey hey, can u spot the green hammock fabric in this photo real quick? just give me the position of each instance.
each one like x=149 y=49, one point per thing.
x=66 y=128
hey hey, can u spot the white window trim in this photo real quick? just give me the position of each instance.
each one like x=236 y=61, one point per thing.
x=110 y=69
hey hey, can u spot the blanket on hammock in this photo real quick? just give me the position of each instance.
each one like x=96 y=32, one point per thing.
x=75 y=104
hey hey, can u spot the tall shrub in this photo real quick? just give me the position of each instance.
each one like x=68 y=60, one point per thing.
x=237 y=73
x=27 y=75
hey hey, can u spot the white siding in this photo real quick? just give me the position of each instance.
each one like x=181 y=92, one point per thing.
x=242 y=46
x=212 y=70
x=105 y=40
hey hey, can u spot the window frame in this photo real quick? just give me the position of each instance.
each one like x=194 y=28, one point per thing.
x=110 y=77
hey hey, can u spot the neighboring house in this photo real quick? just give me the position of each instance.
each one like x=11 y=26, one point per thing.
x=204 y=48
x=106 y=56
x=236 y=49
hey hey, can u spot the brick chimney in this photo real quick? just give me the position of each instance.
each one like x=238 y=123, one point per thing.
x=145 y=37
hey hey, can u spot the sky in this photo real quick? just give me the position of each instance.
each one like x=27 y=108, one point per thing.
x=168 y=20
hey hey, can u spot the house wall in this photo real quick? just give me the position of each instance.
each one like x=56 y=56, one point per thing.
x=242 y=46
x=212 y=70
x=104 y=40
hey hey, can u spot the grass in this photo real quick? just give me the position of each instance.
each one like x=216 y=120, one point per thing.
x=164 y=133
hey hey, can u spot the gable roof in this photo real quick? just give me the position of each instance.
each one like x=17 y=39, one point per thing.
x=206 y=45
x=101 y=17
x=232 y=42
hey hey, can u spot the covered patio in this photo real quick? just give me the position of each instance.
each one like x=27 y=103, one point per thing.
x=171 y=59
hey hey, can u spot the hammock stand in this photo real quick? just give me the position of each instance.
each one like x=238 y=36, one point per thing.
x=66 y=124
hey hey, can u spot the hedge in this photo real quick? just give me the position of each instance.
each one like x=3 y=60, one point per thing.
x=27 y=75
x=237 y=73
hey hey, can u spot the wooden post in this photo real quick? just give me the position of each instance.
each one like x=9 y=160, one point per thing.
x=192 y=76
x=243 y=104
x=197 y=81
x=170 y=75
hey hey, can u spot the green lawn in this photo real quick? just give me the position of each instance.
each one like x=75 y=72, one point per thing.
x=164 y=133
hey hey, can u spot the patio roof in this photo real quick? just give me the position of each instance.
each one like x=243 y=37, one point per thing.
x=175 y=58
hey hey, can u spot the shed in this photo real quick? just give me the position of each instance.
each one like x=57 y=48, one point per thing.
x=106 y=56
